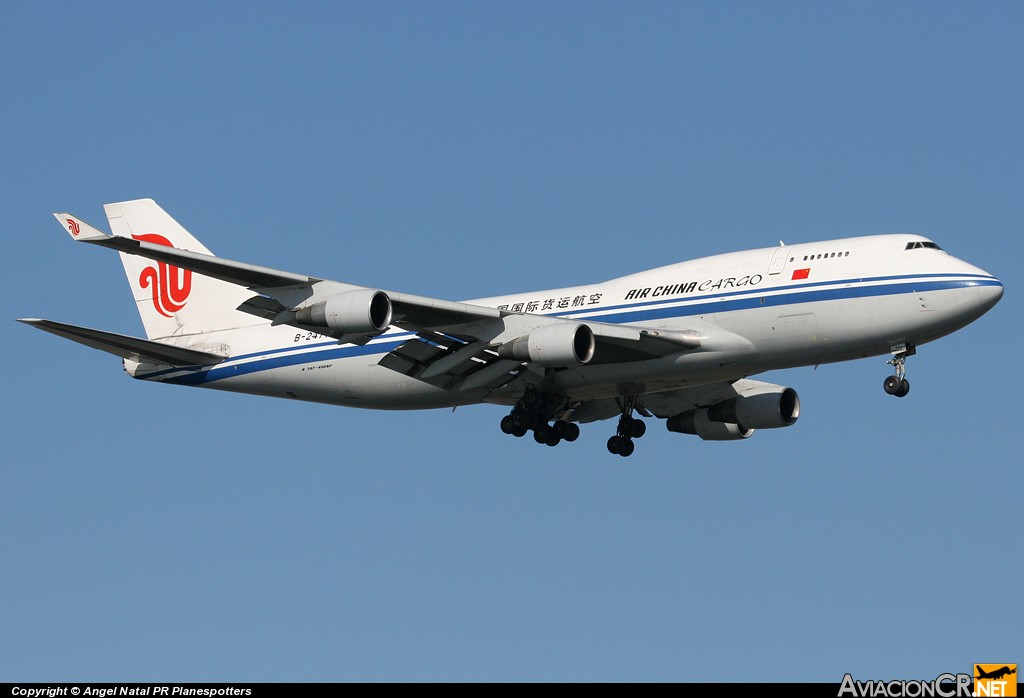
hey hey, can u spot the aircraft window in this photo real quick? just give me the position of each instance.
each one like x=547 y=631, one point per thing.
x=792 y=258
x=826 y=255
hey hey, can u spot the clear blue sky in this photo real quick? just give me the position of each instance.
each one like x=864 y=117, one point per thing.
x=463 y=150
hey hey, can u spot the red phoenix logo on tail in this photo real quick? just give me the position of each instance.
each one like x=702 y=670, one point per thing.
x=73 y=227
x=171 y=285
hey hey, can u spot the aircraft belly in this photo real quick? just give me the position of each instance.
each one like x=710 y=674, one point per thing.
x=353 y=382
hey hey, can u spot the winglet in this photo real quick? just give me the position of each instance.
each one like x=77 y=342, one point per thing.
x=79 y=229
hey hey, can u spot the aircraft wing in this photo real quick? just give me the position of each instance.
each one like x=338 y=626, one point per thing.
x=128 y=347
x=672 y=402
x=287 y=289
x=453 y=339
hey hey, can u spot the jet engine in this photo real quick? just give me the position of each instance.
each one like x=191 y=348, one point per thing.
x=364 y=311
x=770 y=407
x=561 y=344
x=778 y=407
x=697 y=422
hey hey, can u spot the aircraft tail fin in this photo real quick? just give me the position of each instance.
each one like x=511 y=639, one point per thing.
x=171 y=301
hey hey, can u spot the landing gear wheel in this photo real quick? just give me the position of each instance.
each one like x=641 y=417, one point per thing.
x=507 y=424
x=615 y=444
x=620 y=445
x=531 y=398
x=629 y=427
x=519 y=432
x=903 y=389
x=892 y=385
x=567 y=430
x=542 y=434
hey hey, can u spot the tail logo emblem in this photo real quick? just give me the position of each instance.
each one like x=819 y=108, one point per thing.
x=73 y=226
x=171 y=285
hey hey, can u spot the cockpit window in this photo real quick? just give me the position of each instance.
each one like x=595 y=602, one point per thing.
x=922 y=245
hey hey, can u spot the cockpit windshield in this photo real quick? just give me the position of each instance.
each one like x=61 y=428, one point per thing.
x=922 y=244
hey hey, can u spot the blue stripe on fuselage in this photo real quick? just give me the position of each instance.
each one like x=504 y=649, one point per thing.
x=788 y=288
x=767 y=301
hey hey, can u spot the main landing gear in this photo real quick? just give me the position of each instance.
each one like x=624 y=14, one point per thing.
x=533 y=412
x=629 y=428
x=898 y=384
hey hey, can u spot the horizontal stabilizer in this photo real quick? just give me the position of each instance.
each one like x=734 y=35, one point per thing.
x=126 y=347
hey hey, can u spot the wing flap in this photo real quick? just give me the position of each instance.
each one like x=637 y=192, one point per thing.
x=261 y=306
x=452 y=363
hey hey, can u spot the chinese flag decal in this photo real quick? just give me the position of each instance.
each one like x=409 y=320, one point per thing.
x=801 y=274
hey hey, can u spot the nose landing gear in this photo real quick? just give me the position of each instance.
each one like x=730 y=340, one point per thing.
x=898 y=384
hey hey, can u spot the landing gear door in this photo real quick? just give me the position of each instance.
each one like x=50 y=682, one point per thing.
x=778 y=260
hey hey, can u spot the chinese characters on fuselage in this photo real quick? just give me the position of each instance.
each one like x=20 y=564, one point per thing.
x=563 y=303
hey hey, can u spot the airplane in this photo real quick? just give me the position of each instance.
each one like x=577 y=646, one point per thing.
x=679 y=342
x=997 y=674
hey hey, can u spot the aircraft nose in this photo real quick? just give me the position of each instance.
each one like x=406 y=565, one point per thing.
x=990 y=293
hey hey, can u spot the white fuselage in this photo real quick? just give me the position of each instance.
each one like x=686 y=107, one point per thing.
x=756 y=311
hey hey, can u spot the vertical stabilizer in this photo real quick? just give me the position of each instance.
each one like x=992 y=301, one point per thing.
x=173 y=301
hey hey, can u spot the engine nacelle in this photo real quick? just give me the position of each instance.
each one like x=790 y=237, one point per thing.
x=561 y=344
x=696 y=422
x=766 y=410
x=364 y=311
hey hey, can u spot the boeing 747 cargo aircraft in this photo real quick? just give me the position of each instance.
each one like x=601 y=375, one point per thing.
x=677 y=343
